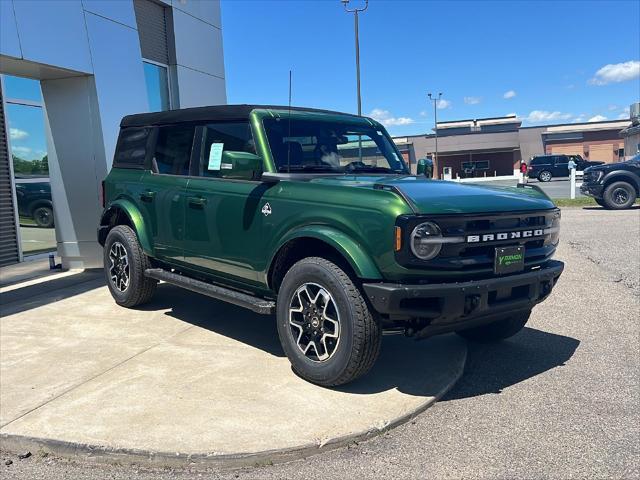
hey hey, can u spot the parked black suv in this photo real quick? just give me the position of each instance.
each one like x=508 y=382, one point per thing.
x=34 y=200
x=545 y=167
x=615 y=186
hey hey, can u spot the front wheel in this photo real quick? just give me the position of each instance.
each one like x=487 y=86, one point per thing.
x=496 y=331
x=324 y=324
x=545 y=176
x=619 y=195
x=124 y=267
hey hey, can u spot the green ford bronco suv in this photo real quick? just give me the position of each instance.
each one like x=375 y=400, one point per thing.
x=314 y=216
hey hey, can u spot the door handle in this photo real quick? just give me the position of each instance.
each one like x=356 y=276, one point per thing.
x=197 y=202
x=147 y=196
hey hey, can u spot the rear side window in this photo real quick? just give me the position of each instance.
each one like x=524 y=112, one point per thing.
x=173 y=150
x=132 y=148
x=541 y=161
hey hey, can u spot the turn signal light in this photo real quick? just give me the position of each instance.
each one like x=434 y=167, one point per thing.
x=398 y=242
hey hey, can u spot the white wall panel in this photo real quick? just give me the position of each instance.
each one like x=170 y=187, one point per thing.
x=120 y=11
x=53 y=33
x=9 y=43
x=207 y=10
x=198 y=89
x=198 y=44
x=119 y=75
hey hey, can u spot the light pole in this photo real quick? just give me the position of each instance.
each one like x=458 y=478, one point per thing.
x=435 y=101
x=355 y=12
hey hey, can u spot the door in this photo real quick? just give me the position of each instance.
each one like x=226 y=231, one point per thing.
x=163 y=196
x=224 y=217
x=561 y=166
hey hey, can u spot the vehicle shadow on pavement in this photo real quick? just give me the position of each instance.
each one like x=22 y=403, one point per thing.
x=219 y=317
x=633 y=207
x=47 y=291
x=492 y=368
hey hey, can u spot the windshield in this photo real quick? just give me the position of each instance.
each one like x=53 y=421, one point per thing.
x=322 y=146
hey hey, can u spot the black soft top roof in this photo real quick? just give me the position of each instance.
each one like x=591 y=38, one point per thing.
x=214 y=112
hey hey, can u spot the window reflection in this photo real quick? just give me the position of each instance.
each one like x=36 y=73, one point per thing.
x=157 y=80
x=28 y=147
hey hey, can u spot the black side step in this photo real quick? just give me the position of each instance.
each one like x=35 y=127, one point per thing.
x=258 y=305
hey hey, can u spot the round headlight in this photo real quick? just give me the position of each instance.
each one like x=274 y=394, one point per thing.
x=426 y=241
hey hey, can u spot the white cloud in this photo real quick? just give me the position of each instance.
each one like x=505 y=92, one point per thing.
x=616 y=73
x=597 y=118
x=385 y=118
x=17 y=134
x=544 y=116
x=623 y=116
x=580 y=118
x=21 y=150
x=472 y=100
x=512 y=114
x=424 y=113
x=612 y=107
x=509 y=94
x=442 y=104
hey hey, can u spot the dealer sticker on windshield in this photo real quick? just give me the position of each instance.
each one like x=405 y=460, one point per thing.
x=509 y=260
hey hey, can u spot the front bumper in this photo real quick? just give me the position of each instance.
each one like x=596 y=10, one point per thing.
x=592 y=190
x=455 y=306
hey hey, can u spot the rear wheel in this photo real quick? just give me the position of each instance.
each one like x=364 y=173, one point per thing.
x=496 y=331
x=324 y=324
x=43 y=216
x=124 y=267
x=545 y=176
x=619 y=195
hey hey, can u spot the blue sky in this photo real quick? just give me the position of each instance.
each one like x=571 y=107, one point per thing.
x=548 y=54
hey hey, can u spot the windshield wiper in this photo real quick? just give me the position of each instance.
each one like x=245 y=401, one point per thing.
x=372 y=169
x=307 y=168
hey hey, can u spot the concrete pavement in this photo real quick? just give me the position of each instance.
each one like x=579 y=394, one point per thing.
x=186 y=379
x=559 y=400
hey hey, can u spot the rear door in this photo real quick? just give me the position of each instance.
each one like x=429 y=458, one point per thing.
x=561 y=166
x=163 y=196
x=224 y=217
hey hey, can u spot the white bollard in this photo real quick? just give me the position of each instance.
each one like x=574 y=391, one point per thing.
x=573 y=183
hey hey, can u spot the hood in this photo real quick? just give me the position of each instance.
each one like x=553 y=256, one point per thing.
x=613 y=166
x=438 y=196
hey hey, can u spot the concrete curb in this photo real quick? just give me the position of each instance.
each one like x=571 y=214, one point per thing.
x=106 y=454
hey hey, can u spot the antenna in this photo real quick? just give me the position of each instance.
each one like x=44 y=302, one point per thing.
x=288 y=141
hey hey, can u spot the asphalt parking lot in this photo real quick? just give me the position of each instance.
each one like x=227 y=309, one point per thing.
x=559 y=400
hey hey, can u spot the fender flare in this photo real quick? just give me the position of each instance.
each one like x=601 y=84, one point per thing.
x=135 y=219
x=353 y=253
x=622 y=176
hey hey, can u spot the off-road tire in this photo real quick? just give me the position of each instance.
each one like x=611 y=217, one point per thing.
x=360 y=332
x=612 y=192
x=43 y=216
x=140 y=288
x=496 y=331
x=545 y=176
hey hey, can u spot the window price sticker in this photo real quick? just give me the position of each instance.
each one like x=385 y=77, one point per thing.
x=215 y=156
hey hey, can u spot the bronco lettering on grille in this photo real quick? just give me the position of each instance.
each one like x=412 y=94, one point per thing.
x=492 y=237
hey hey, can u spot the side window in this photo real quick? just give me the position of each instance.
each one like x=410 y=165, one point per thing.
x=173 y=150
x=218 y=138
x=132 y=148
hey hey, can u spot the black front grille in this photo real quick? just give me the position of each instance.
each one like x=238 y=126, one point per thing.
x=469 y=256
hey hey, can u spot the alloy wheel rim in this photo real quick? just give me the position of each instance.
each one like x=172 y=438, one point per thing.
x=620 y=196
x=314 y=321
x=545 y=176
x=119 y=272
x=43 y=216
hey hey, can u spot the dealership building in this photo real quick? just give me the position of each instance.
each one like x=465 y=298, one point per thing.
x=69 y=71
x=497 y=146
